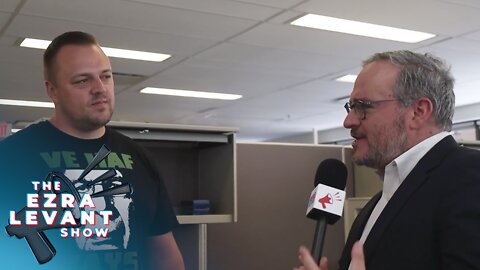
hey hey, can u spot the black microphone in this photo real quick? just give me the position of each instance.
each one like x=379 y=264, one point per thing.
x=326 y=200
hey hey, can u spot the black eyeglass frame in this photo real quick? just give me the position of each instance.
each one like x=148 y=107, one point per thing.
x=360 y=107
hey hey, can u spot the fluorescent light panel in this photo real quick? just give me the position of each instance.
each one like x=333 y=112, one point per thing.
x=350 y=78
x=189 y=93
x=26 y=103
x=361 y=28
x=111 y=52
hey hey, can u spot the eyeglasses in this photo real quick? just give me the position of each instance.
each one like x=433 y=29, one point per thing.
x=360 y=107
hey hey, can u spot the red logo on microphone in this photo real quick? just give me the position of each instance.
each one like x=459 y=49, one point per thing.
x=329 y=199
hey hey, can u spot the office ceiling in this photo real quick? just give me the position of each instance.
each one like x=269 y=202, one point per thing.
x=285 y=73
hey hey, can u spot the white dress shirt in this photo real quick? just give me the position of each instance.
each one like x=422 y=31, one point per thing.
x=396 y=172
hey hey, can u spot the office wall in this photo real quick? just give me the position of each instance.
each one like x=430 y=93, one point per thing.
x=274 y=182
x=299 y=138
x=367 y=181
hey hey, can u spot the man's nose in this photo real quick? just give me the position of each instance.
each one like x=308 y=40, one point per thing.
x=98 y=85
x=351 y=120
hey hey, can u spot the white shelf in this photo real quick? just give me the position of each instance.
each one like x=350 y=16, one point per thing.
x=204 y=219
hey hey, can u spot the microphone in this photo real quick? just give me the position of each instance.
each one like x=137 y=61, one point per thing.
x=326 y=201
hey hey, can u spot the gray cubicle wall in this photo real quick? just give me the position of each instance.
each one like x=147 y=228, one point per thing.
x=274 y=182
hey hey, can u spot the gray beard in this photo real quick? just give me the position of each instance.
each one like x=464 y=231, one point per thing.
x=386 y=150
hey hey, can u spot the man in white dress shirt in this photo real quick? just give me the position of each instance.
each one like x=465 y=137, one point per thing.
x=427 y=215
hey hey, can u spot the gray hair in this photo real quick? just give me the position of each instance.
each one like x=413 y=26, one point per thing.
x=422 y=75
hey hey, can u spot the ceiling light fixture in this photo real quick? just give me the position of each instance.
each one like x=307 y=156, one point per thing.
x=361 y=28
x=350 y=78
x=189 y=93
x=26 y=103
x=111 y=52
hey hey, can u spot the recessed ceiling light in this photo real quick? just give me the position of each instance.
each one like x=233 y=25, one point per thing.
x=350 y=78
x=361 y=28
x=112 y=52
x=26 y=103
x=189 y=93
x=15 y=130
x=35 y=43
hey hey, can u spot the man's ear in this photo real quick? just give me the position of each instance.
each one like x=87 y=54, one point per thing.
x=51 y=91
x=422 y=112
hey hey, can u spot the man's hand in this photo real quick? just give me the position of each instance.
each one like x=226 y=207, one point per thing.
x=308 y=263
x=358 y=261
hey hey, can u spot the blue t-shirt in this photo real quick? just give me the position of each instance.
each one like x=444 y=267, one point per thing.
x=138 y=208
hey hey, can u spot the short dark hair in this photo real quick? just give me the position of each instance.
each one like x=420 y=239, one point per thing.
x=68 y=38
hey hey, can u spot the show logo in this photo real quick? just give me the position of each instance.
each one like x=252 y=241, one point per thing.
x=60 y=203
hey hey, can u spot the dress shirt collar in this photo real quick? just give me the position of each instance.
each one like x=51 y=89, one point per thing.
x=397 y=170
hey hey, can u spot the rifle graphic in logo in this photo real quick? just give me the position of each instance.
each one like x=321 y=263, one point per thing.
x=41 y=247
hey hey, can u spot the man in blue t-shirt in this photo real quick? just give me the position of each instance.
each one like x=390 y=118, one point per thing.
x=79 y=81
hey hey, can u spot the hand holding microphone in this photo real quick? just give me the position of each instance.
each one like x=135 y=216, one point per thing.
x=326 y=200
x=326 y=206
x=308 y=263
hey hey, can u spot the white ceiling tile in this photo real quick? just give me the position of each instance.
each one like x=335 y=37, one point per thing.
x=44 y=28
x=160 y=109
x=8 y=41
x=291 y=105
x=138 y=16
x=427 y=15
x=460 y=54
x=273 y=3
x=9 y=5
x=310 y=40
x=237 y=46
x=475 y=35
x=220 y=7
x=271 y=59
x=467 y=3
x=4 y=18
x=224 y=77
x=286 y=17
x=21 y=73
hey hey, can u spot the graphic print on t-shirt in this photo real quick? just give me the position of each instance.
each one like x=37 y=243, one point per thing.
x=41 y=149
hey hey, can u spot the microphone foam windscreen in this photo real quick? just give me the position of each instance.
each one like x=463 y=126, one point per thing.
x=331 y=172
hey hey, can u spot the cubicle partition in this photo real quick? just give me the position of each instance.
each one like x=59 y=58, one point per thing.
x=257 y=193
x=274 y=182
